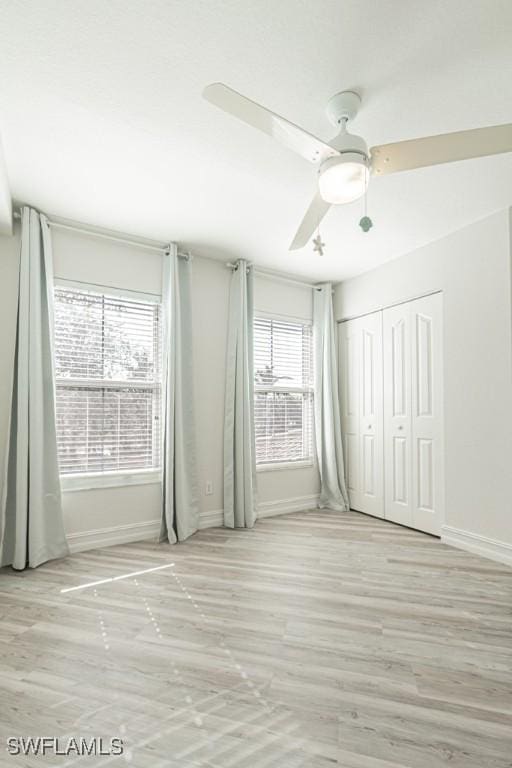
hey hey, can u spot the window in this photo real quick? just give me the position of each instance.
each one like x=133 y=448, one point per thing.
x=108 y=380
x=283 y=397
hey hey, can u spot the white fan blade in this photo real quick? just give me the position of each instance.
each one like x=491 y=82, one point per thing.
x=295 y=138
x=310 y=222
x=446 y=148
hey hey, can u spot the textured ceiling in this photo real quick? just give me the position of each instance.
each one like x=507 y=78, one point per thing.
x=102 y=117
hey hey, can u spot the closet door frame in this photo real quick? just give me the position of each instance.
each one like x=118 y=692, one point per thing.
x=416 y=515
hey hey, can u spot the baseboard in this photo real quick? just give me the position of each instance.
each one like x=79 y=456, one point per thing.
x=284 y=506
x=499 y=551
x=124 y=534
x=213 y=518
x=108 y=537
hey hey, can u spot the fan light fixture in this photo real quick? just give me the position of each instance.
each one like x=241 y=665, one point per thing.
x=344 y=178
x=345 y=162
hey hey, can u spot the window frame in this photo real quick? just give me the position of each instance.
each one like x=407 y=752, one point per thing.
x=311 y=461
x=84 y=481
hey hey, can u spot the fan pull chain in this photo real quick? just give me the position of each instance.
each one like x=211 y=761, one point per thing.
x=366 y=223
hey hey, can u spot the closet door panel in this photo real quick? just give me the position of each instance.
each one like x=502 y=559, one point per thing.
x=351 y=458
x=397 y=414
x=427 y=417
x=400 y=471
x=371 y=418
x=349 y=356
x=360 y=358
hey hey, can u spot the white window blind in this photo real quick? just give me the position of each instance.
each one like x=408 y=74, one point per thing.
x=108 y=381
x=283 y=396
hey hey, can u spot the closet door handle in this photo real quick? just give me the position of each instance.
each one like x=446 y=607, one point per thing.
x=400 y=426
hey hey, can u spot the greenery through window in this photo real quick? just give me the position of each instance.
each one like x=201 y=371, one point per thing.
x=108 y=380
x=283 y=397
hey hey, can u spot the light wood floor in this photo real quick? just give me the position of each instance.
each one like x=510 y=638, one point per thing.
x=315 y=640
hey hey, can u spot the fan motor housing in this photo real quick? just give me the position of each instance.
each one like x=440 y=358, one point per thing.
x=349 y=142
x=343 y=106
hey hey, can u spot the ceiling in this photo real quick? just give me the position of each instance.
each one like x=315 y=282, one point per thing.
x=102 y=117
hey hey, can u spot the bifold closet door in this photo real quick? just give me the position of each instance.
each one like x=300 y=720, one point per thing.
x=413 y=450
x=361 y=411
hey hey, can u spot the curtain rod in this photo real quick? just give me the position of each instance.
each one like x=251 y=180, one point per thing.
x=276 y=276
x=120 y=238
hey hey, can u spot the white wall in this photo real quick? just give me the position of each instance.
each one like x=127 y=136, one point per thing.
x=210 y=318
x=294 y=487
x=82 y=258
x=102 y=516
x=278 y=490
x=473 y=269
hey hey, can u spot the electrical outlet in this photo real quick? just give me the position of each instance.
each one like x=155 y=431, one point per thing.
x=208 y=488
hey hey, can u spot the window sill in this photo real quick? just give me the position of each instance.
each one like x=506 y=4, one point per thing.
x=109 y=480
x=284 y=465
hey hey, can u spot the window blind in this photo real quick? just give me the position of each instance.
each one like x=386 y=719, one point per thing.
x=283 y=396
x=108 y=382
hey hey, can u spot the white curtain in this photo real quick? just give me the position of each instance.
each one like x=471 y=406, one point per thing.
x=239 y=451
x=180 y=503
x=32 y=529
x=333 y=493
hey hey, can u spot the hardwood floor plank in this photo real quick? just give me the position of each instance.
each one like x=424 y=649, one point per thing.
x=314 y=640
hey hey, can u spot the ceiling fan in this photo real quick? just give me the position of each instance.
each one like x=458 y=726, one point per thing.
x=345 y=163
